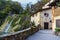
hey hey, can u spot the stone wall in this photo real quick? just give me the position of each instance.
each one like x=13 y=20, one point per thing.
x=44 y=18
x=20 y=35
x=36 y=18
x=56 y=16
x=57 y=12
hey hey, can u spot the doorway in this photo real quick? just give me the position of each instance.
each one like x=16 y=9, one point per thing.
x=46 y=24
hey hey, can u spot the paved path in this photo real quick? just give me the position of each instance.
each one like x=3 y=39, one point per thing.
x=44 y=35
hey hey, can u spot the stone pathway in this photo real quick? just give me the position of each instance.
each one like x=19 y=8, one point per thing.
x=44 y=35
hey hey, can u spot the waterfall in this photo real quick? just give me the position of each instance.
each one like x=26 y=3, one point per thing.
x=8 y=26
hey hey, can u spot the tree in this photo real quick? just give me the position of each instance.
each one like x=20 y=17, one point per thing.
x=28 y=8
x=16 y=8
x=9 y=7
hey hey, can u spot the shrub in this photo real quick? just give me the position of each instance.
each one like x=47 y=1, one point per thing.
x=9 y=18
x=14 y=21
x=33 y=24
x=57 y=29
x=17 y=29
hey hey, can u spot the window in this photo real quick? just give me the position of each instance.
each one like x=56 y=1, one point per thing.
x=50 y=21
x=46 y=14
x=58 y=23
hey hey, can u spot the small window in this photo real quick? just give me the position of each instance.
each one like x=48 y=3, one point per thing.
x=50 y=21
x=46 y=14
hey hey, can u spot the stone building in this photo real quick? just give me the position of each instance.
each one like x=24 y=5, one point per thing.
x=48 y=17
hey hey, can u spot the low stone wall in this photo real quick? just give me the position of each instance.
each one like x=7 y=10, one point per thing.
x=20 y=35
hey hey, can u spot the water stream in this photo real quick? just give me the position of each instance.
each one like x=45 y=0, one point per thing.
x=8 y=26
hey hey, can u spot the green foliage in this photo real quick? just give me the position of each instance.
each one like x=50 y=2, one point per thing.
x=27 y=9
x=26 y=24
x=58 y=4
x=17 y=29
x=14 y=21
x=16 y=8
x=9 y=18
x=57 y=29
x=9 y=7
x=33 y=24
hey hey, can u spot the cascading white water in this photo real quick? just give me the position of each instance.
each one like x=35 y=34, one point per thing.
x=8 y=26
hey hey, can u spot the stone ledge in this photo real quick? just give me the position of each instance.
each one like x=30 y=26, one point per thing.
x=20 y=35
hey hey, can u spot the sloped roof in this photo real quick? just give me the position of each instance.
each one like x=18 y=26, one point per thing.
x=46 y=5
x=38 y=6
x=53 y=3
x=40 y=10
